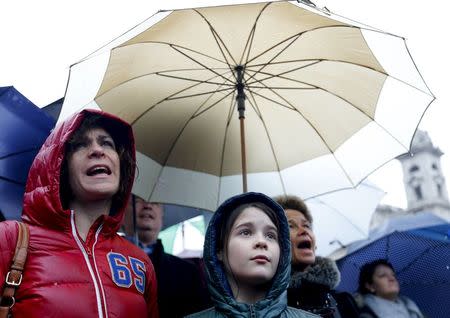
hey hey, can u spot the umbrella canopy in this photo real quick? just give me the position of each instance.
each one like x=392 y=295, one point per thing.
x=322 y=97
x=185 y=239
x=24 y=129
x=420 y=257
x=343 y=217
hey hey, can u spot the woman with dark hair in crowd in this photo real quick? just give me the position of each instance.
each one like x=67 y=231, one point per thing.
x=247 y=260
x=74 y=202
x=313 y=278
x=380 y=290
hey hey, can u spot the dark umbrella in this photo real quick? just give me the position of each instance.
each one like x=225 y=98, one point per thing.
x=174 y=214
x=24 y=129
x=54 y=108
x=420 y=257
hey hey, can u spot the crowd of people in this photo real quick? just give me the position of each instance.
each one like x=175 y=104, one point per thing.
x=259 y=254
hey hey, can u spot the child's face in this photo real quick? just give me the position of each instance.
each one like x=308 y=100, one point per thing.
x=253 y=249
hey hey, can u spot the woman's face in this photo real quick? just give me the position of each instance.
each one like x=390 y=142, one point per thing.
x=94 y=167
x=253 y=251
x=384 y=283
x=303 y=241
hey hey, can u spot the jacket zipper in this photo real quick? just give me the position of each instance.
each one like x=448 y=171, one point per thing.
x=88 y=264
x=252 y=311
x=96 y=269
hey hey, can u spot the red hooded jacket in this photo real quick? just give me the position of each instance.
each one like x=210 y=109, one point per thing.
x=105 y=276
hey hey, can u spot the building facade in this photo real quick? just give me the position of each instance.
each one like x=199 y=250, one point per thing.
x=424 y=182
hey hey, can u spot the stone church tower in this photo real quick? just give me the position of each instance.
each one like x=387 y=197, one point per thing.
x=424 y=182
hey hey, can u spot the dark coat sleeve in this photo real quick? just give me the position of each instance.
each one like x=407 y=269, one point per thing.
x=346 y=304
x=321 y=300
x=366 y=312
x=181 y=289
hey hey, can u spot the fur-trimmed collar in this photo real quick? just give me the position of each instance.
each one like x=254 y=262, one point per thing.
x=324 y=272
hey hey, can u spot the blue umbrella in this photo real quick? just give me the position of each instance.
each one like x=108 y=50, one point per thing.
x=420 y=257
x=24 y=129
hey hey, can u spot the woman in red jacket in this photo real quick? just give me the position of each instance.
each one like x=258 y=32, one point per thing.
x=74 y=202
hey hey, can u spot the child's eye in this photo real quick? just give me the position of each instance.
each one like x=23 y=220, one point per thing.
x=272 y=235
x=245 y=232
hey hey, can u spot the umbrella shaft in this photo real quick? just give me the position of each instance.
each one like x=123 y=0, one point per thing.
x=243 y=157
x=240 y=98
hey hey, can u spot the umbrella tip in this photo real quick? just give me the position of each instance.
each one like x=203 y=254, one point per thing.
x=337 y=242
x=307 y=2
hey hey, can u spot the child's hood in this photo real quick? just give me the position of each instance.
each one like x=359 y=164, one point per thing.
x=217 y=281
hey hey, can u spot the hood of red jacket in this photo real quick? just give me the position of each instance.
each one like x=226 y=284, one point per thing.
x=42 y=204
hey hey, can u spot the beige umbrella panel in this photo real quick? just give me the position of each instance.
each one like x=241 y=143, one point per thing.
x=323 y=99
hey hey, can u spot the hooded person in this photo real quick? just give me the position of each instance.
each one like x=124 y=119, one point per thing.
x=247 y=260
x=74 y=203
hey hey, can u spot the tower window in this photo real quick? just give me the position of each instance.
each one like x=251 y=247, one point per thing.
x=418 y=191
x=439 y=189
x=414 y=168
x=434 y=166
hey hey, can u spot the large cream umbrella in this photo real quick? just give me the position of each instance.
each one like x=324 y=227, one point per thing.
x=326 y=101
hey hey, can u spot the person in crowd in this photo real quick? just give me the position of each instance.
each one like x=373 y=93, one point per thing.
x=75 y=198
x=181 y=287
x=380 y=290
x=247 y=259
x=313 y=278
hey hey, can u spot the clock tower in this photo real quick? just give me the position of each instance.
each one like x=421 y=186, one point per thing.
x=423 y=179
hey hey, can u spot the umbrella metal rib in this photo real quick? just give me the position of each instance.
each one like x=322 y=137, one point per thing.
x=255 y=107
x=239 y=84
x=246 y=65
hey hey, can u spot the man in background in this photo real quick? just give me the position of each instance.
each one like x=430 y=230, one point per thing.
x=181 y=289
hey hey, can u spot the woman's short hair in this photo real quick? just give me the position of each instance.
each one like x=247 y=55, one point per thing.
x=227 y=224
x=121 y=141
x=366 y=274
x=292 y=202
